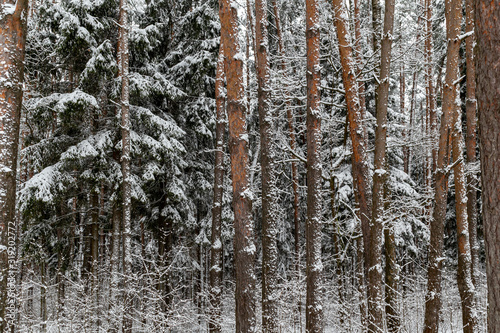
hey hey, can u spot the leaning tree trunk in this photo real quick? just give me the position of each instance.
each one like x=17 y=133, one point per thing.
x=215 y=324
x=270 y=209
x=359 y=158
x=13 y=39
x=375 y=271
x=471 y=139
x=244 y=247
x=488 y=93
x=314 y=266
x=123 y=61
x=433 y=297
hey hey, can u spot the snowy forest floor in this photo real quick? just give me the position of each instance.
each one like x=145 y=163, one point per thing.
x=80 y=314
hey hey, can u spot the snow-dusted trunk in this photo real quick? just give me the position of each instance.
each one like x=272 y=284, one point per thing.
x=358 y=48
x=216 y=249
x=123 y=70
x=433 y=297
x=115 y=274
x=471 y=138
x=270 y=209
x=314 y=265
x=464 y=278
x=244 y=247
x=431 y=95
x=359 y=159
x=375 y=271
x=488 y=76
x=13 y=39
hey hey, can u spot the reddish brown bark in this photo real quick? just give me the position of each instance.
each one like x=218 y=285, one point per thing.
x=359 y=159
x=244 y=247
x=488 y=92
x=216 y=249
x=314 y=266
x=433 y=297
x=471 y=138
x=13 y=40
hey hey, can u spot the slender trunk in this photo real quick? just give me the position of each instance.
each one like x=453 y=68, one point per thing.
x=487 y=63
x=375 y=271
x=431 y=98
x=244 y=247
x=13 y=39
x=216 y=249
x=115 y=274
x=433 y=297
x=337 y=248
x=314 y=266
x=123 y=63
x=360 y=162
x=464 y=278
x=270 y=210
x=359 y=63
x=471 y=144
x=391 y=272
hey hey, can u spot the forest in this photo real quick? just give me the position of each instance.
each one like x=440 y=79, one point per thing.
x=250 y=166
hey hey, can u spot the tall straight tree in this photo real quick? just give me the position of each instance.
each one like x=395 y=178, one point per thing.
x=430 y=96
x=314 y=266
x=488 y=93
x=375 y=271
x=270 y=211
x=13 y=17
x=471 y=138
x=450 y=93
x=216 y=249
x=123 y=70
x=244 y=247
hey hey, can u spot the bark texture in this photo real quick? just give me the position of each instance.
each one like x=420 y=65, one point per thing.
x=244 y=247
x=270 y=209
x=359 y=158
x=488 y=93
x=433 y=297
x=471 y=138
x=375 y=271
x=13 y=40
x=314 y=265
x=216 y=249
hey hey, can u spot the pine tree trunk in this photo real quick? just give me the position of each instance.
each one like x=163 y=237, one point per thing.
x=13 y=27
x=314 y=266
x=270 y=209
x=488 y=76
x=123 y=70
x=359 y=158
x=375 y=271
x=431 y=98
x=244 y=247
x=216 y=249
x=464 y=278
x=471 y=143
x=433 y=297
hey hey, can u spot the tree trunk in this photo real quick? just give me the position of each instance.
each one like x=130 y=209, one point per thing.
x=488 y=93
x=13 y=39
x=375 y=271
x=359 y=158
x=314 y=266
x=471 y=143
x=433 y=297
x=244 y=247
x=216 y=249
x=431 y=98
x=270 y=209
x=123 y=70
